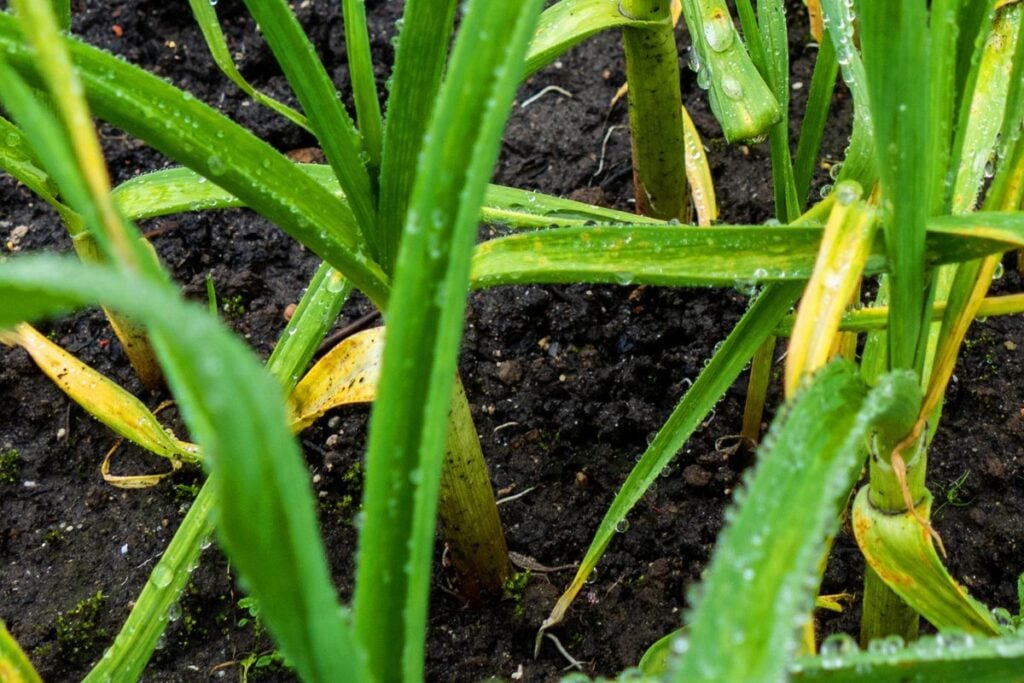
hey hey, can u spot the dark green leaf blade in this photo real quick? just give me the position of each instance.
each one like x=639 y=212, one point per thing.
x=333 y=127
x=408 y=424
x=419 y=64
x=895 y=45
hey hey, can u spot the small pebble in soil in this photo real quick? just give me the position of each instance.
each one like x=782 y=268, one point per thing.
x=696 y=476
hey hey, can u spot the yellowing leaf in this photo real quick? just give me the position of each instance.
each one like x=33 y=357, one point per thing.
x=698 y=173
x=99 y=396
x=901 y=552
x=347 y=374
x=845 y=246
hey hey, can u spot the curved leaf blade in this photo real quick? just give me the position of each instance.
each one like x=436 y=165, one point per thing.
x=15 y=667
x=901 y=552
x=99 y=396
x=177 y=190
x=347 y=374
x=763 y=575
x=567 y=24
x=409 y=421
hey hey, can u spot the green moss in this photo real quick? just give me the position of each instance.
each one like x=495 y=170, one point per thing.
x=353 y=473
x=78 y=633
x=53 y=537
x=10 y=466
x=513 y=589
x=233 y=306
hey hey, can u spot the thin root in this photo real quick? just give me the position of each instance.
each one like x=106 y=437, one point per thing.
x=573 y=662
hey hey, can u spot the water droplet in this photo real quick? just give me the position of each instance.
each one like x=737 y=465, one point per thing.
x=718 y=31
x=174 y=612
x=13 y=140
x=622 y=526
x=996 y=274
x=732 y=87
x=886 y=646
x=693 y=58
x=162 y=576
x=846 y=193
x=704 y=78
x=825 y=190
x=833 y=171
x=216 y=165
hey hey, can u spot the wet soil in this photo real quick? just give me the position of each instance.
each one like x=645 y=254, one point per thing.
x=567 y=386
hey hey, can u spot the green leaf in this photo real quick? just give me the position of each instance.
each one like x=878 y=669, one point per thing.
x=718 y=256
x=812 y=127
x=419 y=64
x=319 y=307
x=985 y=108
x=14 y=665
x=742 y=102
x=127 y=656
x=860 y=163
x=660 y=255
x=265 y=518
x=18 y=159
x=941 y=657
x=177 y=190
x=206 y=16
x=333 y=127
x=409 y=420
x=772 y=22
x=903 y=556
x=895 y=43
x=568 y=23
x=364 y=84
x=655 y=661
x=762 y=578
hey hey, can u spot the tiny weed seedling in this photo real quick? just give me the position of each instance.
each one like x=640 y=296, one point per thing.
x=953 y=493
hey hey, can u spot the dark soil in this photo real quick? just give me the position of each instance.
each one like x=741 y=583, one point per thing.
x=567 y=384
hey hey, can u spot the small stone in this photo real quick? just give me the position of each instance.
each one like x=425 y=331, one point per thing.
x=582 y=480
x=510 y=372
x=696 y=476
x=1009 y=345
x=289 y=311
x=17 y=234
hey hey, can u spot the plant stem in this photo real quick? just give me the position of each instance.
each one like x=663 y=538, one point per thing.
x=884 y=613
x=467 y=511
x=655 y=114
x=757 y=390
